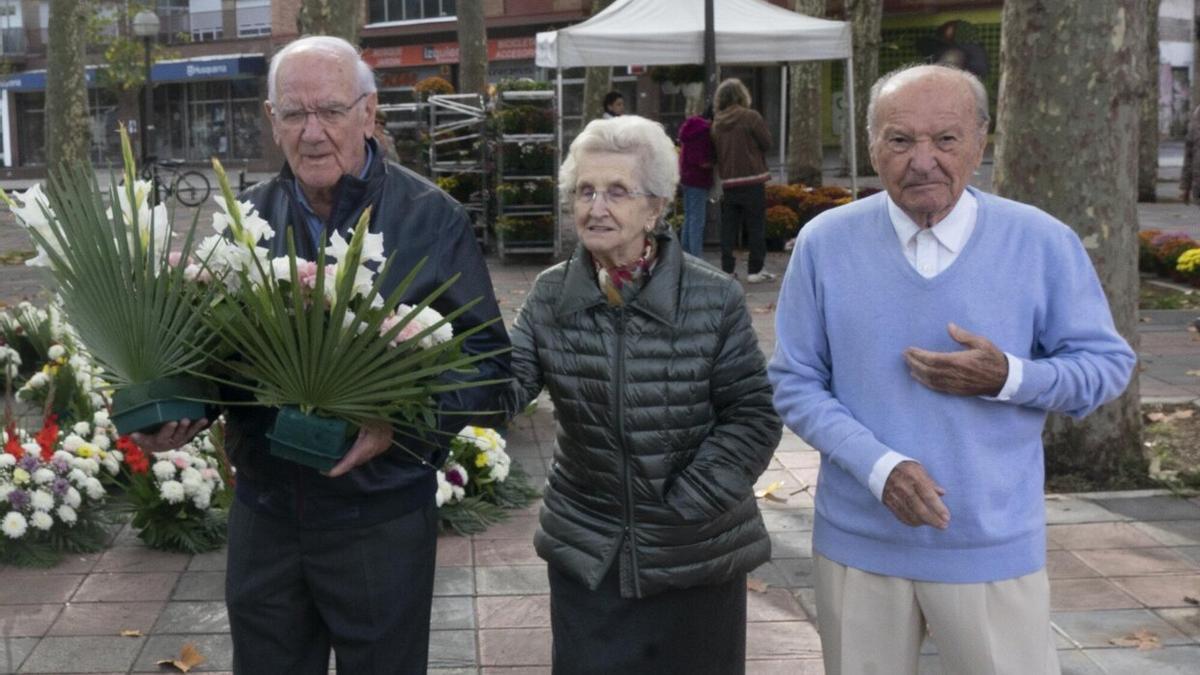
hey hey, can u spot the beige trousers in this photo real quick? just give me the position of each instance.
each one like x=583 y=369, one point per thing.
x=874 y=625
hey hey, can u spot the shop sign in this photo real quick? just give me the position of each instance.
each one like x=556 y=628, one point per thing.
x=402 y=56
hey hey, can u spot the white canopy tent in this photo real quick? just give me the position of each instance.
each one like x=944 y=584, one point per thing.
x=671 y=32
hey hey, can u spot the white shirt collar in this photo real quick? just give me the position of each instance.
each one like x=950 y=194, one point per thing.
x=951 y=232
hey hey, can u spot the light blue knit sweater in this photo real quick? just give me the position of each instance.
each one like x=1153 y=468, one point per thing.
x=851 y=303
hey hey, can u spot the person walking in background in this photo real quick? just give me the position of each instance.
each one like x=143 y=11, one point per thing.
x=614 y=105
x=742 y=140
x=664 y=423
x=696 y=177
x=1189 y=179
x=922 y=335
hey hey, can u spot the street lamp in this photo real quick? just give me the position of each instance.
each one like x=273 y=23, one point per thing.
x=145 y=26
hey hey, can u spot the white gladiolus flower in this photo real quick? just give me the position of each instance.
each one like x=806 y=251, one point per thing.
x=67 y=514
x=14 y=525
x=172 y=491
x=73 y=498
x=41 y=500
x=152 y=223
x=41 y=520
x=163 y=470
x=254 y=227
x=31 y=215
x=56 y=352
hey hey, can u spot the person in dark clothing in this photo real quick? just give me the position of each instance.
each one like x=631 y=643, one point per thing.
x=1189 y=178
x=614 y=105
x=696 y=176
x=742 y=140
x=664 y=417
x=346 y=559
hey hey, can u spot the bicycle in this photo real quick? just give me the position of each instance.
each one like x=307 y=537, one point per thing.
x=190 y=187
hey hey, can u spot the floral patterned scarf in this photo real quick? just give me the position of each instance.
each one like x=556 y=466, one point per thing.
x=621 y=283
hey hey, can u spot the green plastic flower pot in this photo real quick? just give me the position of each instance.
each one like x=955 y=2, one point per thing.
x=147 y=406
x=311 y=440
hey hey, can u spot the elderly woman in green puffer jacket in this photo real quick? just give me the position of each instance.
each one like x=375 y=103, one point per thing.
x=664 y=422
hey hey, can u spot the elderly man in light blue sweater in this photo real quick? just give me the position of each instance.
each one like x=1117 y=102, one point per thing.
x=923 y=335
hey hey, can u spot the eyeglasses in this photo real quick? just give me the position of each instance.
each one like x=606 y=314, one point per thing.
x=613 y=195
x=327 y=116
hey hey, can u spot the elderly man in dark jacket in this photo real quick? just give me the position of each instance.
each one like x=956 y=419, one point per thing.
x=346 y=559
x=665 y=421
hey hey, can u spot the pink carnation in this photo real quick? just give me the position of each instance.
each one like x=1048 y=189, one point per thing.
x=410 y=330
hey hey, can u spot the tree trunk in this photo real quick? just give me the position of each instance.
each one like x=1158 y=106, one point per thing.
x=1067 y=122
x=1148 y=138
x=597 y=81
x=68 y=137
x=866 y=24
x=472 y=48
x=340 y=18
x=804 y=153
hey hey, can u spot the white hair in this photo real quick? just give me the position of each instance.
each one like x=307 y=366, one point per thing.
x=901 y=76
x=330 y=45
x=657 y=161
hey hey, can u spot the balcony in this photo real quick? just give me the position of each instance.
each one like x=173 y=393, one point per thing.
x=179 y=26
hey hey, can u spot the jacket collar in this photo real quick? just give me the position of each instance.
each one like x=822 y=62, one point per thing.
x=658 y=299
x=351 y=195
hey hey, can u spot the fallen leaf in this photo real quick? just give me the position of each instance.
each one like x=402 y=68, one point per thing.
x=1143 y=639
x=766 y=309
x=757 y=585
x=1156 y=416
x=1194 y=373
x=769 y=492
x=1190 y=600
x=131 y=633
x=189 y=657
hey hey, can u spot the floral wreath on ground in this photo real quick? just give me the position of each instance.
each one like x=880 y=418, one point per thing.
x=479 y=483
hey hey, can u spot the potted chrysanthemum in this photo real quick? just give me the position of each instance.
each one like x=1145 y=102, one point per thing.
x=318 y=340
x=121 y=288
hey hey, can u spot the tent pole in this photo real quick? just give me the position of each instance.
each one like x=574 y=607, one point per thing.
x=558 y=109
x=783 y=125
x=853 y=130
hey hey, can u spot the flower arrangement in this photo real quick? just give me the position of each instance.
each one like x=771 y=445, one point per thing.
x=530 y=158
x=479 y=482
x=51 y=494
x=1171 y=254
x=136 y=313
x=525 y=119
x=178 y=498
x=1189 y=263
x=523 y=84
x=782 y=222
x=432 y=85
x=320 y=341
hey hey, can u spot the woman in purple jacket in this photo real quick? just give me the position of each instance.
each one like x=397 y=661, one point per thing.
x=695 y=174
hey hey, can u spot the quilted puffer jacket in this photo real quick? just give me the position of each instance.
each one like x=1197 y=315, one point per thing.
x=664 y=422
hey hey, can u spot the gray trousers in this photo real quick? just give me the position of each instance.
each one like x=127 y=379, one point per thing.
x=293 y=593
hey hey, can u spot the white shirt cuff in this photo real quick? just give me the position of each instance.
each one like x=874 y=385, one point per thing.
x=882 y=469
x=1016 y=373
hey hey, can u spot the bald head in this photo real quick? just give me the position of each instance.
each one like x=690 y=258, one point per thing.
x=952 y=78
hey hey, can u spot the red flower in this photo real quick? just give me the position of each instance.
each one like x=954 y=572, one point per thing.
x=13 y=445
x=48 y=437
x=134 y=457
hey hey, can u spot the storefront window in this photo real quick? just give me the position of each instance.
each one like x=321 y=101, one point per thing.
x=31 y=123
x=102 y=127
x=201 y=120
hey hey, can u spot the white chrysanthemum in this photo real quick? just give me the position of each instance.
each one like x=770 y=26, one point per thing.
x=41 y=520
x=56 y=352
x=7 y=460
x=43 y=475
x=77 y=477
x=67 y=514
x=172 y=491
x=202 y=500
x=14 y=525
x=445 y=490
x=38 y=380
x=20 y=476
x=6 y=488
x=100 y=419
x=163 y=470
x=73 y=499
x=102 y=441
x=41 y=500
x=112 y=464
x=500 y=467
x=82 y=428
x=95 y=489
x=426 y=318
x=73 y=442
x=191 y=486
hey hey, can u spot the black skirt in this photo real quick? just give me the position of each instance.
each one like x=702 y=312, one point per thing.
x=692 y=631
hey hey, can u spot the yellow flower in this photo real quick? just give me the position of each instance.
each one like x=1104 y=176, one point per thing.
x=20 y=476
x=481 y=460
x=50 y=369
x=1189 y=261
x=86 y=450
